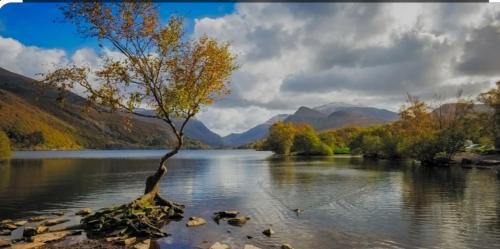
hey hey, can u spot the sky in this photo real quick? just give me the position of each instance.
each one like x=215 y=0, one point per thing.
x=299 y=54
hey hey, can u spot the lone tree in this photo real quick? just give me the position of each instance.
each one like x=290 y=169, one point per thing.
x=158 y=67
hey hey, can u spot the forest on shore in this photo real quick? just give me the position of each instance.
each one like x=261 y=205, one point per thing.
x=429 y=135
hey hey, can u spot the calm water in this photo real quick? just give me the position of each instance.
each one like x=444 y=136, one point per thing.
x=348 y=202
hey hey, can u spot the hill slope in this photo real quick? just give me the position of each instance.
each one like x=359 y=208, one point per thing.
x=26 y=113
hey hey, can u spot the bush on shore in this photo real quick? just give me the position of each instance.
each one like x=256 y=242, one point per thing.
x=5 y=150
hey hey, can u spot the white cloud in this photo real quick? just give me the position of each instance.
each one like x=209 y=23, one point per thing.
x=28 y=60
x=371 y=54
x=314 y=53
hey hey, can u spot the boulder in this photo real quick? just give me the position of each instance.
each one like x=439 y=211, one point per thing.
x=6 y=221
x=195 y=221
x=54 y=222
x=218 y=245
x=238 y=221
x=286 y=246
x=268 y=232
x=84 y=212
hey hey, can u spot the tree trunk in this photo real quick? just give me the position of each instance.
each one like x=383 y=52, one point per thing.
x=152 y=190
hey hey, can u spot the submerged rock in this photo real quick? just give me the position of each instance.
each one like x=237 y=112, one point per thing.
x=4 y=243
x=238 y=221
x=268 y=232
x=225 y=214
x=28 y=245
x=84 y=212
x=49 y=237
x=286 y=246
x=247 y=246
x=20 y=223
x=218 y=245
x=195 y=221
x=54 y=222
x=8 y=226
x=58 y=213
x=42 y=229
x=38 y=218
x=146 y=244
x=127 y=241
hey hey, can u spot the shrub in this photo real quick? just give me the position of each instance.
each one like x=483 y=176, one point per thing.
x=5 y=150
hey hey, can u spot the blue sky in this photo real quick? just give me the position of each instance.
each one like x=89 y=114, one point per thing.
x=42 y=25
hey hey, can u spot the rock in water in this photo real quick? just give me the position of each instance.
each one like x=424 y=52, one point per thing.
x=4 y=243
x=6 y=221
x=195 y=221
x=38 y=218
x=250 y=247
x=127 y=242
x=238 y=221
x=41 y=229
x=268 y=232
x=48 y=237
x=20 y=223
x=58 y=213
x=143 y=245
x=5 y=232
x=286 y=246
x=9 y=226
x=54 y=222
x=228 y=213
x=84 y=212
x=28 y=245
x=218 y=245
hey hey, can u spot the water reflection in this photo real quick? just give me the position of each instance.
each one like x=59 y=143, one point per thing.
x=347 y=202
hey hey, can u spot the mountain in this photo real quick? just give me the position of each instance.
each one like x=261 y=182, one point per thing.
x=336 y=115
x=195 y=129
x=368 y=111
x=254 y=134
x=36 y=121
x=331 y=107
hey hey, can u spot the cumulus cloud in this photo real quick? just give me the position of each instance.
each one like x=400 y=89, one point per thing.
x=28 y=60
x=294 y=54
x=366 y=54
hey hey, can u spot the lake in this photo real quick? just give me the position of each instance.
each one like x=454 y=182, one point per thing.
x=348 y=202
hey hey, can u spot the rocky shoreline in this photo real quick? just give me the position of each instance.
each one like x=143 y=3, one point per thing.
x=125 y=226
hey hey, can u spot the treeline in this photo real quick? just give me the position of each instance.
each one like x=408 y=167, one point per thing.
x=422 y=133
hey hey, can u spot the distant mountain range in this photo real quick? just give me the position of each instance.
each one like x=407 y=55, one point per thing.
x=254 y=134
x=330 y=116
